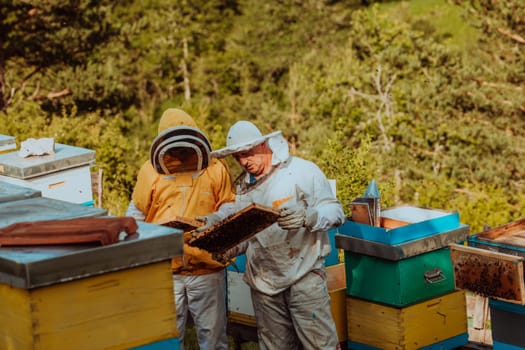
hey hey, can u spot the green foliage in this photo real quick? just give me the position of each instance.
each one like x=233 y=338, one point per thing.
x=392 y=91
x=114 y=153
x=480 y=205
x=352 y=169
x=36 y=36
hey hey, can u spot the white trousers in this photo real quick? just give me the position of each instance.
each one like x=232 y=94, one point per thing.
x=204 y=296
x=297 y=318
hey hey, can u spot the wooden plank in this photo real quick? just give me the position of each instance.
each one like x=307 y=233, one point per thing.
x=363 y=319
x=15 y=319
x=488 y=273
x=336 y=283
x=412 y=327
x=504 y=231
x=237 y=317
x=361 y=213
x=117 y=310
x=436 y=319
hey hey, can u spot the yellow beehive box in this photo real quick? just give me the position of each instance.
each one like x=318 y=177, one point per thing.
x=413 y=327
x=116 y=310
x=85 y=296
x=336 y=282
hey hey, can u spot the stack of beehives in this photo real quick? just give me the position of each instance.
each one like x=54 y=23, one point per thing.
x=69 y=296
x=400 y=281
x=492 y=266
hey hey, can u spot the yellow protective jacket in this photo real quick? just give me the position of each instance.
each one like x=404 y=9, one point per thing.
x=162 y=197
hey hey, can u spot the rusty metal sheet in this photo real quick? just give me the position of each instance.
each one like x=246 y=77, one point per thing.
x=235 y=229
x=489 y=274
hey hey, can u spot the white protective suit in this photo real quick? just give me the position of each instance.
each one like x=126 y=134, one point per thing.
x=285 y=269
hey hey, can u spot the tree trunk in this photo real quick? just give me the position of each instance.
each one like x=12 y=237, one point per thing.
x=3 y=98
x=185 y=74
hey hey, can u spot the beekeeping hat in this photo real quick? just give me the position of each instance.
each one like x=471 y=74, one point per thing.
x=179 y=150
x=242 y=136
x=180 y=146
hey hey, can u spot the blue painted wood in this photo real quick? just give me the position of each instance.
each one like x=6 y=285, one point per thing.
x=507 y=322
x=450 y=343
x=405 y=250
x=505 y=306
x=422 y=222
x=239 y=265
x=447 y=344
x=352 y=345
x=496 y=345
x=477 y=242
x=166 y=344
x=333 y=257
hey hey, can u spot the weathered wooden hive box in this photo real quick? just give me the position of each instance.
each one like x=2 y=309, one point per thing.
x=64 y=175
x=7 y=143
x=403 y=266
x=86 y=296
x=401 y=272
x=437 y=323
x=491 y=265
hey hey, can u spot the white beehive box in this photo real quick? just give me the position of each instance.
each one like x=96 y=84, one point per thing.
x=64 y=175
x=240 y=307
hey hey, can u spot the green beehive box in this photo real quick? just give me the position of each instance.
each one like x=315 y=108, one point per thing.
x=399 y=283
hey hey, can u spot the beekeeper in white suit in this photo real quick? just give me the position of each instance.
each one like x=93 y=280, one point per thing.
x=285 y=262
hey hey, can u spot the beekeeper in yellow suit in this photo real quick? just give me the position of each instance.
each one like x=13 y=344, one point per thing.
x=180 y=179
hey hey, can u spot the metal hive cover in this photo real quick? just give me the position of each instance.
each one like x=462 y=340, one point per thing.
x=65 y=157
x=10 y=192
x=37 y=266
x=42 y=208
x=235 y=229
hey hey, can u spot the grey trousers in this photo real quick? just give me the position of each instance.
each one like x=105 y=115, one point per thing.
x=297 y=318
x=204 y=296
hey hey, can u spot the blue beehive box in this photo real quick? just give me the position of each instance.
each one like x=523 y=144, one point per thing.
x=507 y=320
x=403 y=224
